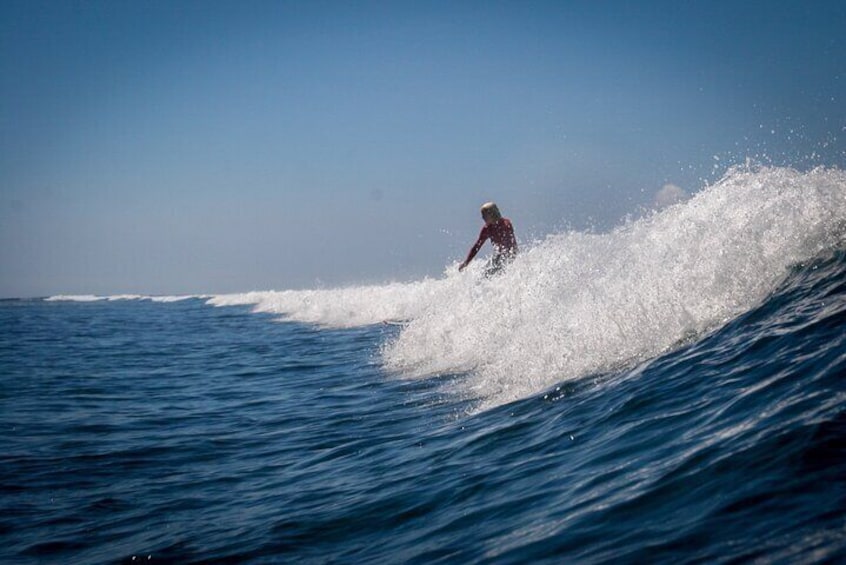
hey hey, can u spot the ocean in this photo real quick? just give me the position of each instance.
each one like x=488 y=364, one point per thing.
x=670 y=391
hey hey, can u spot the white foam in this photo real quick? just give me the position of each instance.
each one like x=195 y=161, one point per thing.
x=121 y=297
x=580 y=303
x=344 y=307
x=74 y=298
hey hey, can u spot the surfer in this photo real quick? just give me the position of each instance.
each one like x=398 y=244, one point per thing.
x=501 y=233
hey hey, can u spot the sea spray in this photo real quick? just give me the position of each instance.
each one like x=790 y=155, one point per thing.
x=577 y=304
x=343 y=307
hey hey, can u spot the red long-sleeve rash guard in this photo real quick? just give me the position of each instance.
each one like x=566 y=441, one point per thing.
x=501 y=234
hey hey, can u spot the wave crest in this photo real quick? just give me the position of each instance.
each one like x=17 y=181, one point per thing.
x=578 y=304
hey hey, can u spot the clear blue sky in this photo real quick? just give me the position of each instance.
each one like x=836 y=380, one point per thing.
x=180 y=147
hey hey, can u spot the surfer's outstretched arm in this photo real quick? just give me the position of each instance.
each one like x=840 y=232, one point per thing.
x=474 y=250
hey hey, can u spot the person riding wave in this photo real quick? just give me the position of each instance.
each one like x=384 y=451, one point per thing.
x=501 y=233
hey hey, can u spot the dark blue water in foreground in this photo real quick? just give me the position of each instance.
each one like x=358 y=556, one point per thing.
x=179 y=432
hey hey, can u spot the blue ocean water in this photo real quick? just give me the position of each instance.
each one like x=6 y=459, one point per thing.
x=672 y=391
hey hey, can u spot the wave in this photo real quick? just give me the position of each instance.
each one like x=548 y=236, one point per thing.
x=577 y=304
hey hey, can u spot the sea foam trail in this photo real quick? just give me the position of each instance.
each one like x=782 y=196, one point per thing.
x=118 y=297
x=343 y=307
x=580 y=303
